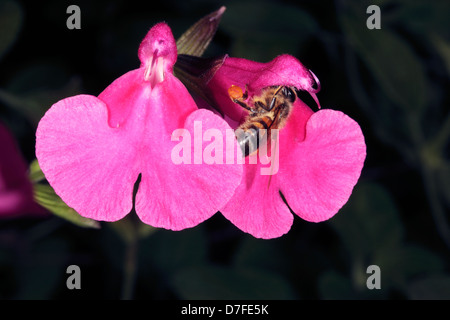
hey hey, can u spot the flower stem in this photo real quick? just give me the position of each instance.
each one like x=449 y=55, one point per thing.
x=130 y=268
x=129 y=230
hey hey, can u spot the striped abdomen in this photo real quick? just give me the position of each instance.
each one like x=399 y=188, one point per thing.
x=250 y=134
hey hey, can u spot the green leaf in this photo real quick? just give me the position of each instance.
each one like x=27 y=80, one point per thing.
x=399 y=264
x=334 y=286
x=219 y=283
x=390 y=59
x=262 y=30
x=195 y=73
x=443 y=178
x=130 y=226
x=433 y=287
x=369 y=221
x=32 y=94
x=35 y=172
x=370 y=227
x=422 y=18
x=443 y=48
x=41 y=269
x=197 y=38
x=170 y=251
x=11 y=18
x=46 y=197
x=253 y=252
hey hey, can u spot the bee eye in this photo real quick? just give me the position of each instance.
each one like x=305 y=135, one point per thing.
x=290 y=95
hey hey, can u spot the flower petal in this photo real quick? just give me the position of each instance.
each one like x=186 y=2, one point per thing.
x=318 y=174
x=84 y=159
x=257 y=207
x=177 y=196
x=158 y=42
x=117 y=96
x=295 y=129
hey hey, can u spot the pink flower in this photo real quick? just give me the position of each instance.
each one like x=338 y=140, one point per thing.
x=16 y=191
x=321 y=154
x=93 y=149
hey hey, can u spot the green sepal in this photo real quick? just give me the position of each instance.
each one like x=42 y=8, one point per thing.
x=47 y=198
x=131 y=228
x=35 y=173
x=197 y=38
x=196 y=72
x=11 y=20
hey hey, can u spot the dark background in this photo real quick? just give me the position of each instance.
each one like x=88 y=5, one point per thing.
x=394 y=82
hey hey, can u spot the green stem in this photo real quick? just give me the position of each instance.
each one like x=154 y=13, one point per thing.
x=130 y=234
x=364 y=102
x=130 y=268
x=45 y=228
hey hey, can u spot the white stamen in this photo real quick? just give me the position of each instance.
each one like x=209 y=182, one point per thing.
x=148 y=70
x=154 y=72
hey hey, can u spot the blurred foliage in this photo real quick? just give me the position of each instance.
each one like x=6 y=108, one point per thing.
x=10 y=19
x=393 y=81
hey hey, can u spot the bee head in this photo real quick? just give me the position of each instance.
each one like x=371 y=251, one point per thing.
x=289 y=93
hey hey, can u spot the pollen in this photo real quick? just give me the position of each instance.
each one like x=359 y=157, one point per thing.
x=235 y=92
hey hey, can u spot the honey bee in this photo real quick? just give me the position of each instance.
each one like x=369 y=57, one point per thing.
x=268 y=110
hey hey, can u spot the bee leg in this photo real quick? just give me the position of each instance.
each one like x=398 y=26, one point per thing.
x=261 y=107
x=264 y=107
x=240 y=100
x=243 y=104
x=245 y=95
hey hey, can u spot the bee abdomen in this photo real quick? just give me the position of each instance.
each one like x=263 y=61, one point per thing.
x=249 y=134
x=247 y=140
